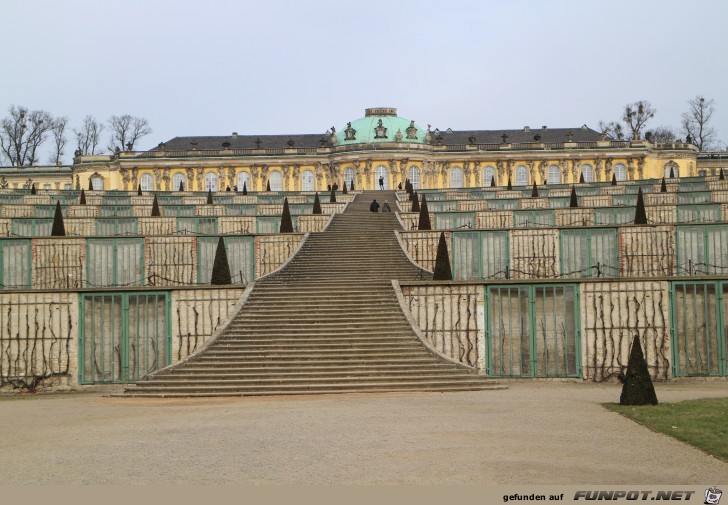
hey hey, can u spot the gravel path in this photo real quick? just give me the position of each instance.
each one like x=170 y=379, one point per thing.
x=533 y=433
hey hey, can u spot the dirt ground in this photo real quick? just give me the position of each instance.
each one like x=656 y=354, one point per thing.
x=532 y=433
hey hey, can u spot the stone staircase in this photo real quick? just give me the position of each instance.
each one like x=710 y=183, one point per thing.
x=329 y=322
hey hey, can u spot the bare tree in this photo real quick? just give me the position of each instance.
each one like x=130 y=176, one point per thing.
x=58 y=130
x=22 y=133
x=126 y=130
x=613 y=129
x=88 y=137
x=661 y=135
x=695 y=122
x=636 y=116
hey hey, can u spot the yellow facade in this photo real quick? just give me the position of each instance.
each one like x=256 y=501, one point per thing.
x=383 y=145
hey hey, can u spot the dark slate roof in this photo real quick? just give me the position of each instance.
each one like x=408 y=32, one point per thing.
x=245 y=142
x=580 y=134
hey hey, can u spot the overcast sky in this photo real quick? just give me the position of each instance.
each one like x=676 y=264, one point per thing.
x=275 y=67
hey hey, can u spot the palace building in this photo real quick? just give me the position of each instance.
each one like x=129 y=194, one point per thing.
x=382 y=145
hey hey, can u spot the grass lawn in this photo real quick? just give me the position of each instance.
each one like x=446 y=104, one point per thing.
x=701 y=423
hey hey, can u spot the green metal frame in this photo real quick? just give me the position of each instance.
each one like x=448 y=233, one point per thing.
x=588 y=234
x=123 y=337
x=720 y=329
x=29 y=267
x=115 y=258
x=533 y=345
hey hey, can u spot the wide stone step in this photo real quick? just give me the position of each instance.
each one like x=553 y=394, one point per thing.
x=210 y=393
x=200 y=361
x=348 y=386
x=309 y=367
x=301 y=380
x=373 y=355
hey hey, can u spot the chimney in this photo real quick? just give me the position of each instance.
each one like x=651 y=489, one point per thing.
x=526 y=129
x=544 y=127
x=235 y=135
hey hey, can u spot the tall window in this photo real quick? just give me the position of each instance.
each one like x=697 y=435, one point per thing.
x=521 y=175
x=147 y=182
x=675 y=169
x=488 y=175
x=588 y=172
x=306 y=181
x=620 y=173
x=456 y=177
x=414 y=177
x=97 y=183
x=348 y=177
x=381 y=172
x=179 y=179
x=244 y=180
x=554 y=176
x=276 y=181
x=211 y=181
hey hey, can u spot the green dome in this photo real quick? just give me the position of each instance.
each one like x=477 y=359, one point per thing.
x=364 y=130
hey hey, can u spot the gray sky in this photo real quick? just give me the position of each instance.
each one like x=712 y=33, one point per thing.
x=214 y=67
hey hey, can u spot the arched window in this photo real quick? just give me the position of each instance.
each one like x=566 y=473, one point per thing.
x=276 y=181
x=147 y=182
x=554 y=176
x=348 y=177
x=381 y=172
x=488 y=175
x=97 y=183
x=244 y=180
x=211 y=181
x=521 y=175
x=306 y=181
x=620 y=173
x=456 y=177
x=178 y=180
x=675 y=169
x=414 y=177
x=588 y=172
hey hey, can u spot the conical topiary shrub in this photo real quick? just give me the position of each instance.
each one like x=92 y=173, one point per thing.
x=155 y=207
x=245 y=189
x=343 y=189
x=614 y=179
x=408 y=186
x=638 y=388
x=424 y=223
x=721 y=177
x=663 y=186
x=181 y=185
x=286 y=222
x=59 y=229
x=139 y=190
x=581 y=178
x=90 y=185
x=220 y=267
x=352 y=185
x=412 y=195
x=534 y=191
x=442 y=272
x=32 y=189
x=640 y=215
x=332 y=196
x=672 y=172
x=316 y=205
x=209 y=197
x=492 y=181
x=82 y=198
x=415 y=203
x=509 y=187
x=267 y=186
x=573 y=201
